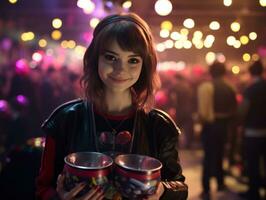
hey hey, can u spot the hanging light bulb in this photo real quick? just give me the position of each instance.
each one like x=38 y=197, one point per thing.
x=163 y=7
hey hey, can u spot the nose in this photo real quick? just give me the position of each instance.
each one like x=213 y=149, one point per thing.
x=120 y=66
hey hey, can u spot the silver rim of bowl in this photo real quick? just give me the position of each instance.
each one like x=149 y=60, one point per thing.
x=108 y=158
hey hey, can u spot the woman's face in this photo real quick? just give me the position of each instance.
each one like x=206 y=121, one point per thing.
x=119 y=69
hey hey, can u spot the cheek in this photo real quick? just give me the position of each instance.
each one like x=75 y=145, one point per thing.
x=136 y=72
x=103 y=68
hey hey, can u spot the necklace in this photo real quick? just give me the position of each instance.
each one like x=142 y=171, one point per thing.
x=114 y=129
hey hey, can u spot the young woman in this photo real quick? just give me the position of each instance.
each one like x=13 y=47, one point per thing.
x=120 y=81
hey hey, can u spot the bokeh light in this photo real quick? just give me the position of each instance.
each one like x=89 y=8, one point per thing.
x=246 y=57
x=57 y=23
x=163 y=7
x=235 y=26
x=214 y=25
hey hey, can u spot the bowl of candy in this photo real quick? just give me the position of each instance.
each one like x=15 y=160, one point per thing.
x=136 y=176
x=93 y=168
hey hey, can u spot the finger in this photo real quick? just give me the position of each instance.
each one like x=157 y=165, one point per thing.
x=92 y=193
x=76 y=189
x=98 y=195
x=60 y=180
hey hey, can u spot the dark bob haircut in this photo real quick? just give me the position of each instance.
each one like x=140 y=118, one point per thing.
x=217 y=69
x=256 y=69
x=132 y=34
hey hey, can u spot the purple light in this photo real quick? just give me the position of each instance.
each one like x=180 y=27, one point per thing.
x=6 y=43
x=109 y=4
x=22 y=100
x=3 y=106
x=21 y=66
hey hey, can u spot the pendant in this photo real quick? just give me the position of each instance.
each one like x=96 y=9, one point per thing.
x=114 y=132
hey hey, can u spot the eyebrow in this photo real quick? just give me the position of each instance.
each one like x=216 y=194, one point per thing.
x=112 y=52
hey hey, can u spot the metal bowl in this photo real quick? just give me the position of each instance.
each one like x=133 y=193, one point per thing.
x=93 y=168
x=136 y=176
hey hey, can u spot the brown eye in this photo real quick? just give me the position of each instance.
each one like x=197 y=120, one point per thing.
x=134 y=60
x=110 y=57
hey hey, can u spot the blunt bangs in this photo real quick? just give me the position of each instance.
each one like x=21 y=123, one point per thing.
x=129 y=37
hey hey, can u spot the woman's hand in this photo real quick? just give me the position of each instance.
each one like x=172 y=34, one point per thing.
x=94 y=194
x=159 y=192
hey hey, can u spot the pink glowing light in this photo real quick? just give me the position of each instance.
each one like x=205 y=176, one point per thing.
x=22 y=66
x=22 y=100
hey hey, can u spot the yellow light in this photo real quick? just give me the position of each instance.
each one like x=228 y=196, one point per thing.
x=244 y=39
x=184 y=31
x=42 y=43
x=210 y=57
x=27 y=36
x=252 y=35
x=37 y=142
x=214 y=25
x=57 y=23
x=23 y=36
x=246 y=57
x=56 y=35
x=71 y=44
x=127 y=4
x=255 y=57
x=189 y=23
x=235 y=69
x=64 y=44
x=12 y=1
x=80 y=50
x=235 y=26
x=263 y=3
x=31 y=35
x=94 y=22
x=167 y=25
x=237 y=44
x=195 y=40
x=197 y=34
x=199 y=45
x=164 y=33
x=227 y=2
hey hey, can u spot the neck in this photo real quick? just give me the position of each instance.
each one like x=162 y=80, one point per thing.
x=118 y=103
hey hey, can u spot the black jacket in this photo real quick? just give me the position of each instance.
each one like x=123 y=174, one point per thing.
x=72 y=128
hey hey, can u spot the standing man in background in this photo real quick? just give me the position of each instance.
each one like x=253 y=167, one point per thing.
x=216 y=107
x=253 y=111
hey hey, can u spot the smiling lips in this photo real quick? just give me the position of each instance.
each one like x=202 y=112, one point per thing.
x=118 y=80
